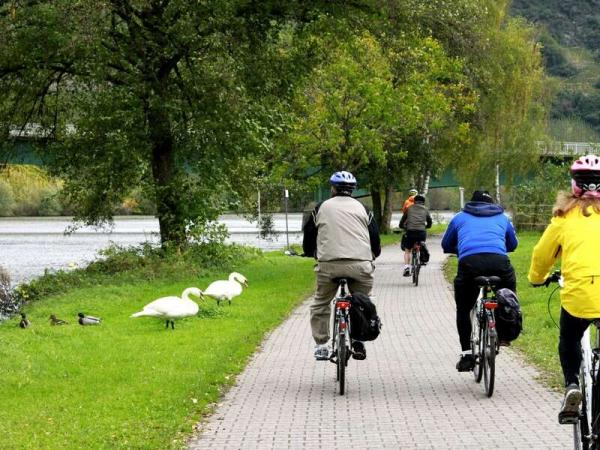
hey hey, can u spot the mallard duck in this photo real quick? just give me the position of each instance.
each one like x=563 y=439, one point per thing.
x=222 y=290
x=172 y=308
x=24 y=323
x=55 y=321
x=88 y=320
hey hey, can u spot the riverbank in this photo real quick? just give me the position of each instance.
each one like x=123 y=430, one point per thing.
x=131 y=383
x=30 y=246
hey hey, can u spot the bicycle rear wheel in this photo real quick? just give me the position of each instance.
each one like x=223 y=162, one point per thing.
x=342 y=360
x=476 y=340
x=416 y=267
x=489 y=360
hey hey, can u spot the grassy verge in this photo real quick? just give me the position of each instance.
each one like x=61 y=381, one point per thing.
x=389 y=239
x=539 y=340
x=130 y=383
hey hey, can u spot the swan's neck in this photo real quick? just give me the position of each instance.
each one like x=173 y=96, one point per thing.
x=186 y=294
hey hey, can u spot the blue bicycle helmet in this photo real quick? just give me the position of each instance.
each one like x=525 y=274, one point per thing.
x=343 y=181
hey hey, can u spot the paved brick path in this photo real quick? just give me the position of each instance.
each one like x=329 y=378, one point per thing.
x=407 y=394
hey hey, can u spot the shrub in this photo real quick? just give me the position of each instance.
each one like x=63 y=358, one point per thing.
x=121 y=264
x=9 y=303
x=7 y=199
x=50 y=204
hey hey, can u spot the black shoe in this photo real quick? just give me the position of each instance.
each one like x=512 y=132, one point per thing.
x=358 y=350
x=406 y=272
x=466 y=363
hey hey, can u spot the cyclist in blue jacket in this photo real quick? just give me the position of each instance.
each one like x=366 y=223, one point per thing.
x=480 y=235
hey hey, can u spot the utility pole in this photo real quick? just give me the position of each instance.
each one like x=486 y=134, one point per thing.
x=287 y=235
x=259 y=221
x=498 y=182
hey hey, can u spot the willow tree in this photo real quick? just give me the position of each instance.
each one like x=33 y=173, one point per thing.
x=151 y=93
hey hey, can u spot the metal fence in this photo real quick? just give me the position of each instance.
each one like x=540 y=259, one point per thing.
x=531 y=217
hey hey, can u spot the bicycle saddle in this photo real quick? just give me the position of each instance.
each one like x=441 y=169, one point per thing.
x=492 y=281
x=338 y=280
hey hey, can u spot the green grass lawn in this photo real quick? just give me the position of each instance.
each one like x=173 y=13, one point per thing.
x=130 y=383
x=539 y=339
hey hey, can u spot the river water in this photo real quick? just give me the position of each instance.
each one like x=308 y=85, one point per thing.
x=31 y=245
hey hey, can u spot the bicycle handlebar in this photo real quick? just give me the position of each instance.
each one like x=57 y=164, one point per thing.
x=553 y=278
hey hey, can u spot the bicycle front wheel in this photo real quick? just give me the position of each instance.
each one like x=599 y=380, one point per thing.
x=489 y=360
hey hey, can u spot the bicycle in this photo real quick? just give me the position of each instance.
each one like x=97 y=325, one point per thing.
x=415 y=263
x=586 y=424
x=484 y=338
x=341 y=345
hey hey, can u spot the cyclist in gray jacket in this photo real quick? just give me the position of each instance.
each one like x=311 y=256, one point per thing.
x=415 y=220
x=344 y=238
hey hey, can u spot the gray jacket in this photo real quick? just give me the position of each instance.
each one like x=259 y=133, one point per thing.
x=416 y=218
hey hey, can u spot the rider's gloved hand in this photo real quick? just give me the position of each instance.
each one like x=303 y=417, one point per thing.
x=551 y=279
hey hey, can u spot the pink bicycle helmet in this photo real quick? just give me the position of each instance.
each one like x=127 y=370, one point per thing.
x=585 y=176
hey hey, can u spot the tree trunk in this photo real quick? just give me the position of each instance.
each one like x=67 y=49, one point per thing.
x=168 y=210
x=386 y=218
x=377 y=213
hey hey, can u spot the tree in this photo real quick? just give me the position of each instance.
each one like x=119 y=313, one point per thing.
x=154 y=93
x=343 y=109
x=365 y=107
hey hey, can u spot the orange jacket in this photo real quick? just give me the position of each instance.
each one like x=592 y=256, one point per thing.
x=408 y=203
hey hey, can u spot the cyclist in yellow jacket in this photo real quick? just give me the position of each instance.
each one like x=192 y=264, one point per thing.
x=573 y=237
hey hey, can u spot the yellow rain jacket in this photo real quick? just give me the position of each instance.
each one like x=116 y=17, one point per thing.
x=575 y=239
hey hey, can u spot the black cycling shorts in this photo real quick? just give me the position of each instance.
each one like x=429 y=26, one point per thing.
x=410 y=237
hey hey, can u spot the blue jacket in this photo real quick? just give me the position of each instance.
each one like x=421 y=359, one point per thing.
x=479 y=228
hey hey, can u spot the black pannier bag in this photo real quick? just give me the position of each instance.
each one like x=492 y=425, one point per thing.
x=424 y=253
x=509 y=319
x=365 y=324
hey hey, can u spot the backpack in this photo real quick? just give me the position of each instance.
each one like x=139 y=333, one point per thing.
x=509 y=319
x=424 y=253
x=365 y=323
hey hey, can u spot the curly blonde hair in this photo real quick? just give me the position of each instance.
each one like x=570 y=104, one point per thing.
x=566 y=201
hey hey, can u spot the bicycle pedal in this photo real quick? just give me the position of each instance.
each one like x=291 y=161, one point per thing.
x=568 y=419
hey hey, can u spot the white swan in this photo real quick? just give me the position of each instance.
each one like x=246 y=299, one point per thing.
x=222 y=290
x=172 y=308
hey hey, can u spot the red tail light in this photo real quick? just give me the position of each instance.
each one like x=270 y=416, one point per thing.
x=343 y=304
x=490 y=305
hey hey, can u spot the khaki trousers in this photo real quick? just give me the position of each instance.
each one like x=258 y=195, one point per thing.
x=361 y=273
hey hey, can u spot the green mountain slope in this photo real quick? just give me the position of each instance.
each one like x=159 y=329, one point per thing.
x=571 y=39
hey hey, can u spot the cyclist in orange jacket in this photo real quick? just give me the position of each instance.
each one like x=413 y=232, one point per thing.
x=410 y=200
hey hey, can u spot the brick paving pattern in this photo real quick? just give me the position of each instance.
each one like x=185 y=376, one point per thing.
x=407 y=393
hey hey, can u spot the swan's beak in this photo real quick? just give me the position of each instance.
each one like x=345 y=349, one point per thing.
x=246 y=283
